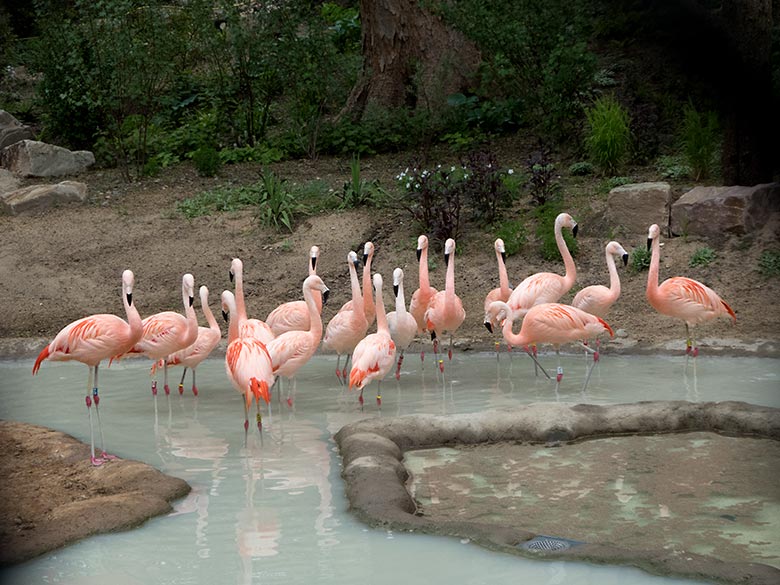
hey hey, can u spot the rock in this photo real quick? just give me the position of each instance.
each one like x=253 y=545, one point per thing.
x=714 y=211
x=30 y=158
x=631 y=209
x=7 y=181
x=42 y=196
x=12 y=130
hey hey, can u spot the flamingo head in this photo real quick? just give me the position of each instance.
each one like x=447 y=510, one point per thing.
x=422 y=244
x=314 y=282
x=203 y=291
x=652 y=234
x=236 y=268
x=377 y=282
x=314 y=253
x=500 y=248
x=615 y=248
x=353 y=259
x=497 y=312
x=449 y=248
x=368 y=252
x=128 y=281
x=188 y=288
x=398 y=278
x=228 y=304
x=565 y=220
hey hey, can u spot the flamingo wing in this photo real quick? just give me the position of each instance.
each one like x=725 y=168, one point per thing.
x=596 y=300
x=292 y=316
x=88 y=340
x=691 y=300
x=543 y=287
x=373 y=357
x=248 y=365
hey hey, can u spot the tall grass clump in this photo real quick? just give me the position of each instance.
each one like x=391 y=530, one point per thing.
x=700 y=138
x=608 y=135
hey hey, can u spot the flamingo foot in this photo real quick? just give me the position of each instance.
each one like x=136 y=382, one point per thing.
x=246 y=425
x=398 y=374
x=181 y=389
x=596 y=356
x=422 y=356
x=259 y=422
x=194 y=389
x=96 y=461
x=441 y=366
x=360 y=400
x=688 y=347
x=449 y=354
x=559 y=375
x=108 y=457
x=154 y=388
x=344 y=374
x=167 y=390
x=378 y=400
x=289 y=401
x=338 y=374
x=695 y=351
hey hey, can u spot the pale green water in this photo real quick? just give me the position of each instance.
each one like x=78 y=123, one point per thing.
x=276 y=512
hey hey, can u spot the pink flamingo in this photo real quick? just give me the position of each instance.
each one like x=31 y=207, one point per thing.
x=445 y=311
x=549 y=323
x=368 y=301
x=681 y=297
x=348 y=326
x=547 y=287
x=597 y=299
x=423 y=295
x=168 y=332
x=248 y=365
x=503 y=291
x=208 y=338
x=92 y=339
x=246 y=327
x=375 y=354
x=292 y=349
x=294 y=316
x=402 y=326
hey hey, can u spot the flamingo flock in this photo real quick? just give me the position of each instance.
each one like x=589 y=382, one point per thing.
x=260 y=353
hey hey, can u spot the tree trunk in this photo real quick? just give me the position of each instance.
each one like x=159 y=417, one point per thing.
x=410 y=58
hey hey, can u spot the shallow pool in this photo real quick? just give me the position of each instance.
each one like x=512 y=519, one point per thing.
x=274 y=511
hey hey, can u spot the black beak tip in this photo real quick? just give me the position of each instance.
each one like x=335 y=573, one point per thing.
x=365 y=259
x=357 y=264
x=574 y=230
x=446 y=259
x=225 y=316
x=230 y=274
x=325 y=295
x=625 y=259
x=314 y=263
x=419 y=254
x=503 y=256
x=395 y=290
x=192 y=300
x=130 y=298
x=489 y=326
x=649 y=243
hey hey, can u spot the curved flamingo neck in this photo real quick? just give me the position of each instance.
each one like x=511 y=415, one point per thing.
x=368 y=300
x=133 y=319
x=614 y=279
x=192 y=319
x=425 y=284
x=652 y=274
x=506 y=330
x=357 y=296
x=210 y=319
x=568 y=261
x=232 y=323
x=503 y=277
x=381 y=318
x=240 y=306
x=449 y=281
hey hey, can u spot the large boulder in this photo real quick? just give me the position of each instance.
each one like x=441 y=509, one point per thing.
x=30 y=158
x=631 y=209
x=12 y=130
x=714 y=211
x=42 y=197
x=8 y=181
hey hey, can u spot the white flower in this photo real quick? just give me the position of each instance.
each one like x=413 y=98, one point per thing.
x=510 y=172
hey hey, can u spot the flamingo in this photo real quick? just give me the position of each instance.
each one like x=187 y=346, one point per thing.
x=92 y=339
x=598 y=299
x=503 y=291
x=294 y=316
x=348 y=326
x=423 y=295
x=681 y=297
x=208 y=338
x=168 y=332
x=403 y=327
x=445 y=311
x=292 y=349
x=375 y=354
x=368 y=301
x=247 y=363
x=246 y=327
x=546 y=287
x=553 y=323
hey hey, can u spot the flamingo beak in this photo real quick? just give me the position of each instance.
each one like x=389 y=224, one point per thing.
x=625 y=259
x=395 y=290
x=365 y=259
x=446 y=259
x=574 y=230
x=192 y=300
x=419 y=254
x=314 y=263
x=225 y=316
x=130 y=298
x=489 y=326
x=230 y=274
x=325 y=295
x=503 y=256
x=357 y=264
x=649 y=243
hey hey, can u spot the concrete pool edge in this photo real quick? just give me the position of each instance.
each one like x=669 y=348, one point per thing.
x=372 y=453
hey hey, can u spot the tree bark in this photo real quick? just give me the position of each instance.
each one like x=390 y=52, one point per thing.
x=410 y=58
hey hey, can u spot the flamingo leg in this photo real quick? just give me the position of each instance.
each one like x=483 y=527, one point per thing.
x=291 y=397
x=346 y=368
x=95 y=460
x=379 y=394
x=338 y=370
x=181 y=382
x=165 y=378
x=96 y=400
x=194 y=385
x=498 y=349
x=536 y=363
x=449 y=352
x=559 y=373
x=592 y=365
x=360 y=400
x=246 y=419
x=400 y=361
x=259 y=418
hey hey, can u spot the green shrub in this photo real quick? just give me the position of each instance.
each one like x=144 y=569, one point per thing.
x=700 y=137
x=542 y=181
x=581 y=168
x=702 y=257
x=206 y=160
x=769 y=263
x=640 y=259
x=608 y=135
x=545 y=231
x=514 y=233
x=358 y=192
x=484 y=186
x=673 y=167
x=277 y=206
x=610 y=183
x=434 y=199
x=221 y=199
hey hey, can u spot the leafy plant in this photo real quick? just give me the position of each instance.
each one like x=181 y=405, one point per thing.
x=545 y=231
x=612 y=182
x=433 y=199
x=673 y=167
x=206 y=160
x=700 y=140
x=702 y=257
x=514 y=233
x=358 y=192
x=769 y=263
x=277 y=206
x=542 y=181
x=608 y=135
x=640 y=259
x=581 y=168
x=221 y=199
x=484 y=187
